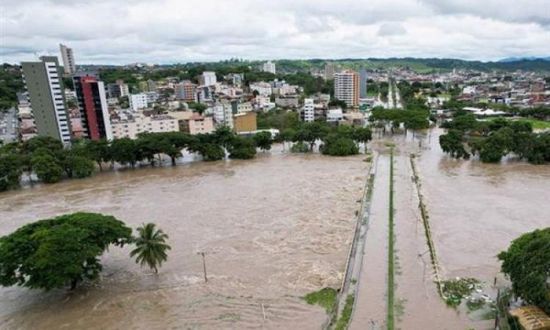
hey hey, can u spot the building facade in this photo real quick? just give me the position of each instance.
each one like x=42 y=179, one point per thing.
x=346 y=87
x=131 y=127
x=198 y=124
x=308 y=110
x=138 y=101
x=269 y=67
x=186 y=91
x=92 y=102
x=363 y=83
x=208 y=78
x=67 y=57
x=44 y=85
x=245 y=122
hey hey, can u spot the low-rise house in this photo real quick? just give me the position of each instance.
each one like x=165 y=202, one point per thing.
x=198 y=124
x=245 y=122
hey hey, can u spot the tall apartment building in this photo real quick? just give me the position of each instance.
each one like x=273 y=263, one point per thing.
x=186 y=91
x=363 y=83
x=308 y=111
x=44 y=85
x=208 y=78
x=68 y=59
x=346 y=87
x=92 y=102
x=269 y=67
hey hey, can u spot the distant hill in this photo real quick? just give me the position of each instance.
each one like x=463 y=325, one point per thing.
x=528 y=58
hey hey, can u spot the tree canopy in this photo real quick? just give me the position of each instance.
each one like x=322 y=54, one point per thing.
x=60 y=251
x=527 y=264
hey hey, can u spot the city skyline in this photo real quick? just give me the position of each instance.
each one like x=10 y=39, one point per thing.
x=169 y=31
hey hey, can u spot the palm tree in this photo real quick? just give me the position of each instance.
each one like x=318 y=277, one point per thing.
x=151 y=246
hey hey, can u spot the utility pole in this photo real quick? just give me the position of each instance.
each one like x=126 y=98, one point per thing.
x=204 y=266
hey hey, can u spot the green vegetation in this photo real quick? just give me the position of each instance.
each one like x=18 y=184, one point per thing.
x=278 y=119
x=391 y=254
x=299 y=147
x=151 y=247
x=263 y=140
x=325 y=298
x=494 y=139
x=11 y=83
x=457 y=289
x=344 y=319
x=527 y=264
x=61 y=251
x=412 y=119
x=51 y=162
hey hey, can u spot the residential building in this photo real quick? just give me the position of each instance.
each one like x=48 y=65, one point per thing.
x=151 y=86
x=152 y=97
x=223 y=114
x=208 y=78
x=67 y=57
x=269 y=67
x=138 y=101
x=198 y=124
x=308 y=111
x=245 y=122
x=346 y=87
x=363 y=83
x=334 y=115
x=263 y=88
x=92 y=102
x=186 y=91
x=139 y=123
x=287 y=101
x=235 y=78
x=118 y=89
x=44 y=85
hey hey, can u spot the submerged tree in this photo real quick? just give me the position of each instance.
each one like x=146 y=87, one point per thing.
x=151 y=246
x=61 y=251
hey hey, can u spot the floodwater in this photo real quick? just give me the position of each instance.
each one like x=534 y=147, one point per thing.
x=273 y=229
x=477 y=209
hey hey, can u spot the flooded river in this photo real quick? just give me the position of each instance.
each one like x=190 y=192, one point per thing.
x=477 y=209
x=273 y=229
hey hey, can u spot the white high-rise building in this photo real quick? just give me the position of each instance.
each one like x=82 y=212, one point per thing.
x=308 y=111
x=346 y=87
x=269 y=67
x=138 y=101
x=208 y=78
x=68 y=59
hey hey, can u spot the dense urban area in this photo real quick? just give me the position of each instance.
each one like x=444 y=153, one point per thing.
x=440 y=208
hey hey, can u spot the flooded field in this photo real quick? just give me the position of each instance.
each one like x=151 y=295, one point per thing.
x=476 y=209
x=273 y=229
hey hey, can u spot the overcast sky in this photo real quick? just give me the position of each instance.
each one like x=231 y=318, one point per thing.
x=178 y=31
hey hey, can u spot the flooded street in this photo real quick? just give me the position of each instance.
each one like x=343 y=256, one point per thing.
x=273 y=229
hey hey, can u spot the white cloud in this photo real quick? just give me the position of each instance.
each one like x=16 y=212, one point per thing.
x=169 y=31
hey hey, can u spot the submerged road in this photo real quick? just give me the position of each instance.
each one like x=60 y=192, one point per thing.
x=415 y=291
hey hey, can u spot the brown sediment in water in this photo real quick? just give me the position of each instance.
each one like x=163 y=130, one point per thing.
x=273 y=228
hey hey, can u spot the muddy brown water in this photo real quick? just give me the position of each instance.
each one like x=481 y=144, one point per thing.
x=273 y=228
x=477 y=209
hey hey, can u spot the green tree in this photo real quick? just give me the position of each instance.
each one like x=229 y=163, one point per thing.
x=337 y=145
x=263 y=140
x=527 y=264
x=453 y=144
x=362 y=135
x=10 y=171
x=242 y=148
x=61 y=251
x=47 y=168
x=151 y=246
x=99 y=151
x=125 y=151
